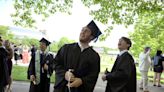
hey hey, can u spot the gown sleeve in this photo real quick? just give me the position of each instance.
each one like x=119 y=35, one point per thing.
x=50 y=68
x=90 y=79
x=31 y=67
x=59 y=65
x=123 y=70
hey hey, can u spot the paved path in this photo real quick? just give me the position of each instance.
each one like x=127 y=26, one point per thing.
x=100 y=87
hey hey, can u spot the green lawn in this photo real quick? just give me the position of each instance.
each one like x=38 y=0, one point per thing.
x=19 y=73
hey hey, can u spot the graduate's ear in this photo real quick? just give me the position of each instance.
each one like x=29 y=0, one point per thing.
x=128 y=46
x=91 y=37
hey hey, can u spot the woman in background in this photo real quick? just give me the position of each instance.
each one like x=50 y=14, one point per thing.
x=158 y=68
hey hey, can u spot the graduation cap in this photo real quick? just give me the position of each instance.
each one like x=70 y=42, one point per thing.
x=45 y=41
x=95 y=30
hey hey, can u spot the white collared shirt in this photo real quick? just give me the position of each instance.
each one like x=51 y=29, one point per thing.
x=122 y=52
x=82 y=47
x=145 y=61
x=41 y=52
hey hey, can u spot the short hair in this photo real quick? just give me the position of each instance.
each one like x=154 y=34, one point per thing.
x=128 y=41
x=146 y=48
x=159 y=52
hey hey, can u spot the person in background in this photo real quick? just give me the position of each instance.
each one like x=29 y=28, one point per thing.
x=20 y=50
x=77 y=65
x=4 y=74
x=33 y=50
x=158 y=67
x=40 y=68
x=9 y=63
x=122 y=77
x=16 y=54
x=144 y=65
x=25 y=55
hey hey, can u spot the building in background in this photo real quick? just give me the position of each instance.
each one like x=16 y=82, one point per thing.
x=22 y=32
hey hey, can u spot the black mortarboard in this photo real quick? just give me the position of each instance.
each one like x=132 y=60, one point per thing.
x=45 y=41
x=159 y=52
x=95 y=30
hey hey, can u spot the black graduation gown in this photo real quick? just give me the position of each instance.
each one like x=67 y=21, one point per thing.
x=4 y=74
x=33 y=50
x=44 y=84
x=86 y=65
x=122 y=78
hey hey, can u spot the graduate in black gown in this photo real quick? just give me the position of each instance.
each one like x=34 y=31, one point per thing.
x=33 y=50
x=122 y=77
x=40 y=68
x=4 y=74
x=9 y=63
x=77 y=65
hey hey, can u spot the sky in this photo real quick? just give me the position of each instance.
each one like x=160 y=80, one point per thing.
x=64 y=25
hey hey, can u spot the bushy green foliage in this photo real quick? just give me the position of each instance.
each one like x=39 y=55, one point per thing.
x=149 y=31
x=57 y=45
x=5 y=33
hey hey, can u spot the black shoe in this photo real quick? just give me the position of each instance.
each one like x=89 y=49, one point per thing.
x=159 y=86
x=141 y=88
x=154 y=85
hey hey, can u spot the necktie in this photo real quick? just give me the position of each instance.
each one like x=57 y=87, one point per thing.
x=41 y=57
x=42 y=62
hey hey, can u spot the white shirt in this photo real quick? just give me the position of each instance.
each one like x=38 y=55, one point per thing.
x=122 y=52
x=42 y=52
x=82 y=47
x=145 y=61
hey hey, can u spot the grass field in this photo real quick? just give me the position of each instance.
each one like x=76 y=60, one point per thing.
x=19 y=73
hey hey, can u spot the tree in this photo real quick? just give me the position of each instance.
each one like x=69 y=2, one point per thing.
x=43 y=8
x=64 y=40
x=115 y=11
x=55 y=46
x=30 y=41
x=25 y=41
x=5 y=33
x=149 y=31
